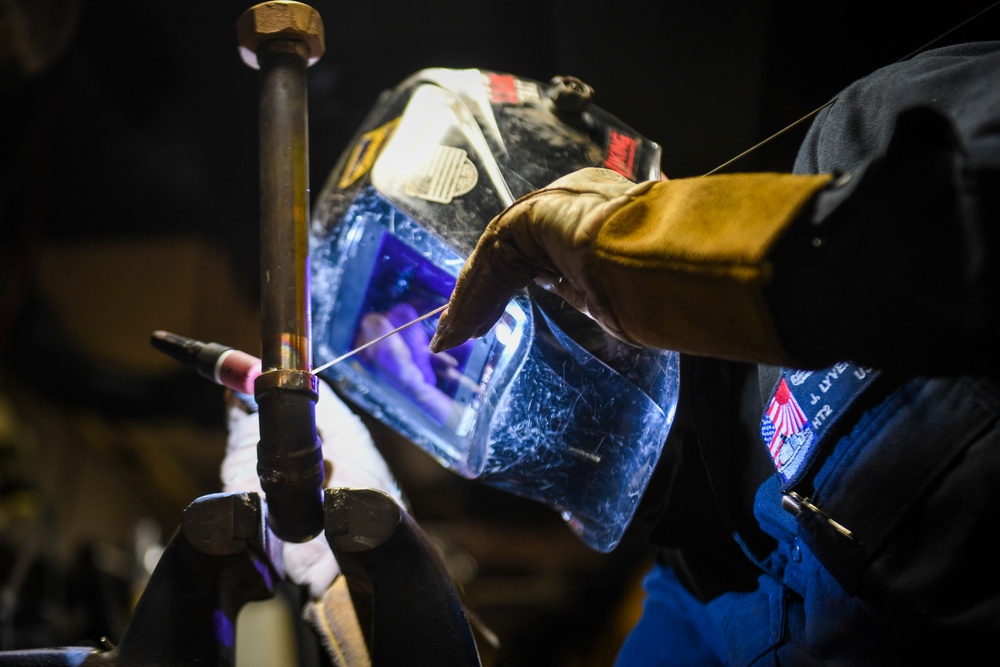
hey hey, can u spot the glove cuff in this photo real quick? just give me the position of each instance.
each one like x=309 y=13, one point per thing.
x=683 y=263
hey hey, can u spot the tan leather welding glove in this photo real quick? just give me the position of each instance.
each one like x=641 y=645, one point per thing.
x=678 y=264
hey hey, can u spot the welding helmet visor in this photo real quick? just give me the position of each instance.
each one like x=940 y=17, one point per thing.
x=546 y=405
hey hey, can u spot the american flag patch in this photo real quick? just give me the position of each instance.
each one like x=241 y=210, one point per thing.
x=786 y=431
x=802 y=411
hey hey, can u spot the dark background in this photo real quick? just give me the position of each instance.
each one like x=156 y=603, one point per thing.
x=129 y=203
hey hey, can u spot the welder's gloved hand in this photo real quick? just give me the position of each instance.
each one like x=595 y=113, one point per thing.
x=675 y=264
x=350 y=458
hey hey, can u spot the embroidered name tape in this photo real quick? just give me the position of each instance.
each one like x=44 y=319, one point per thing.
x=803 y=408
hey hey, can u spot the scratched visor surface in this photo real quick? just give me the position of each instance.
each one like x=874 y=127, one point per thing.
x=546 y=405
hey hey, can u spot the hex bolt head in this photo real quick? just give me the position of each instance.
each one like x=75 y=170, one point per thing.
x=280 y=20
x=569 y=94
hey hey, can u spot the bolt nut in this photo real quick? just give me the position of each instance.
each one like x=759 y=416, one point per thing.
x=569 y=94
x=280 y=20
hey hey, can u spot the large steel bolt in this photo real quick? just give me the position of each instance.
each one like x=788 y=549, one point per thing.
x=280 y=20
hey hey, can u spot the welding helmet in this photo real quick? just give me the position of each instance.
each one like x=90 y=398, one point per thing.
x=546 y=405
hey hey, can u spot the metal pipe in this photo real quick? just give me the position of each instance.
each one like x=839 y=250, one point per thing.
x=284 y=206
x=282 y=39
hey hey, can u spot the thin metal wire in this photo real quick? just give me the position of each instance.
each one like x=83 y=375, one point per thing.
x=772 y=137
x=319 y=369
x=948 y=32
x=817 y=110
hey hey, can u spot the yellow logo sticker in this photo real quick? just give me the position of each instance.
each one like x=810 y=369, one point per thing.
x=364 y=153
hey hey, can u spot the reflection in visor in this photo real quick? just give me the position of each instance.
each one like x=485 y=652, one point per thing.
x=402 y=287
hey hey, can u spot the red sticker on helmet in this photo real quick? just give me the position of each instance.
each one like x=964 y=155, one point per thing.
x=621 y=152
